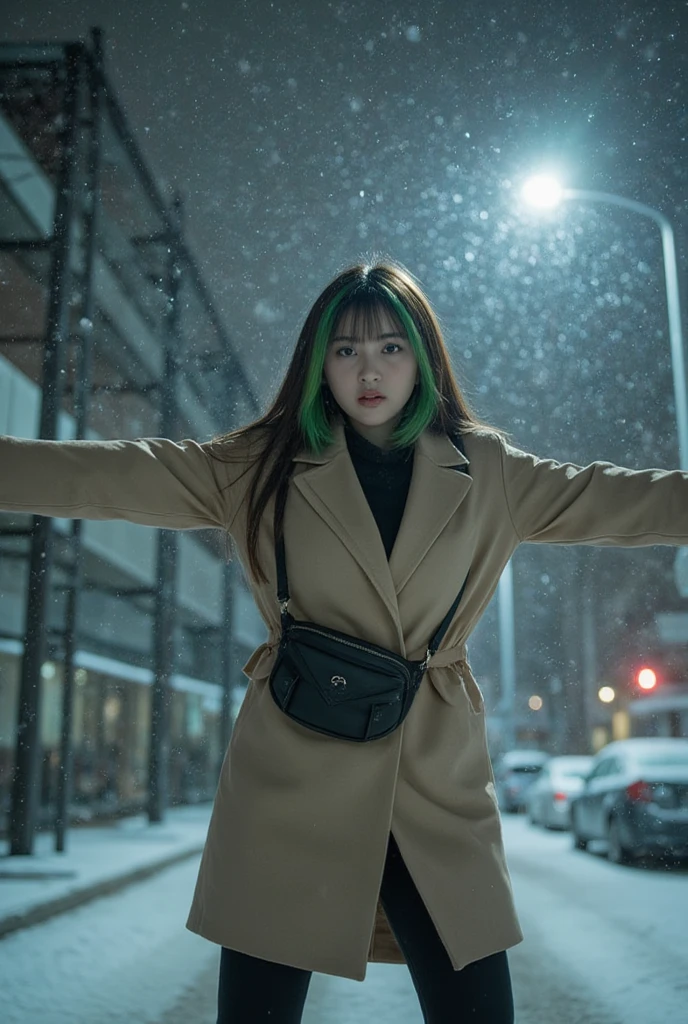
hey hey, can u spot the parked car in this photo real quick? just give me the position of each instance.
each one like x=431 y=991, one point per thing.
x=515 y=771
x=636 y=798
x=548 y=799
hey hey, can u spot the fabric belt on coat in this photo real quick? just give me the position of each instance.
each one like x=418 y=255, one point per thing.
x=259 y=665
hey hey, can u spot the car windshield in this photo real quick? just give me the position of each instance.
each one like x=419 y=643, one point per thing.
x=664 y=759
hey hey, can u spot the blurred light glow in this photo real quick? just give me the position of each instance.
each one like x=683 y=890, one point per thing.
x=542 y=191
x=647 y=679
x=535 y=702
x=606 y=694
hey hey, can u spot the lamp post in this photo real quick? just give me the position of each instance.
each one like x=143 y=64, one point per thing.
x=507 y=657
x=545 y=192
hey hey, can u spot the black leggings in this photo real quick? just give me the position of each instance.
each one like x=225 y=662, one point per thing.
x=254 y=991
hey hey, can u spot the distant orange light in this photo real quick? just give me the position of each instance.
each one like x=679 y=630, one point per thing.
x=647 y=679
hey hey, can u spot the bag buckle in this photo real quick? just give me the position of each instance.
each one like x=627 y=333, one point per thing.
x=426 y=661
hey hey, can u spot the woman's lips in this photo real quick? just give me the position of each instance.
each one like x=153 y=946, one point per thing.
x=371 y=401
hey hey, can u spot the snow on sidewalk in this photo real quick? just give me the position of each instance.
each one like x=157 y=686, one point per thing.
x=98 y=860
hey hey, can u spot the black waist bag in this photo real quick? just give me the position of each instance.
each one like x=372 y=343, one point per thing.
x=337 y=684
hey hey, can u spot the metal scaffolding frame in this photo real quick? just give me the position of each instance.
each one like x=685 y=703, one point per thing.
x=86 y=104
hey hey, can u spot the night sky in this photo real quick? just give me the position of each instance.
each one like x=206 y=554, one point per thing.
x=304 y=136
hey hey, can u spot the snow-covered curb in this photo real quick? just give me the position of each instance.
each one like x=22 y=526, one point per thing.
x=98 y=862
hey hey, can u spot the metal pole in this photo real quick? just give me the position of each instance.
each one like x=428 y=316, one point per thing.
x=165 y=596
x=227 y=656
x=678 y=365
x=507 y=655
x=163 y=656
x=82 y=383
x=26 y=782
x=573 y=696
x=589 y=644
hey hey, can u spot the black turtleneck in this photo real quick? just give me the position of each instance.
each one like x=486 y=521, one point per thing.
x=385 y=476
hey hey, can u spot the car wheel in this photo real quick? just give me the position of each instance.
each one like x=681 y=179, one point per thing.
x=616 y=851
x=579 y=843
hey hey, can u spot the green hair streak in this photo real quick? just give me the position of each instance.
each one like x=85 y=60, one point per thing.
x=421 y=408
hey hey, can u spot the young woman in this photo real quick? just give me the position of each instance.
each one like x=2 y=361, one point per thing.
x=324 y=853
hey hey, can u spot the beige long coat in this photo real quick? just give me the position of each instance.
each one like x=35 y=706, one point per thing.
x=296 y=846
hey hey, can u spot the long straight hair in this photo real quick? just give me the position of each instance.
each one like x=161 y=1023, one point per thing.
x=302 y=414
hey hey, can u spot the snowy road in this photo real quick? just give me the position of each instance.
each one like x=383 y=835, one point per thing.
x=604 y=945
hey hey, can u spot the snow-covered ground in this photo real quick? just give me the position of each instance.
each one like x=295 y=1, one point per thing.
x=604 y=945
x=95 y=858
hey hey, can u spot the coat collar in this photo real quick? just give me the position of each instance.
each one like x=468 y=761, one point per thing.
x=329 y=483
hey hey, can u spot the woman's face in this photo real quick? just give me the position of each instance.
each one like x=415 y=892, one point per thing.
x=378 y=360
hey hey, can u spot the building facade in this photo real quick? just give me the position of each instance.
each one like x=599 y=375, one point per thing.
x=120 y=645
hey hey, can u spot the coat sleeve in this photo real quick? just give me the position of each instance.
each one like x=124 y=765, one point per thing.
x=150 y=481
x=560 y=503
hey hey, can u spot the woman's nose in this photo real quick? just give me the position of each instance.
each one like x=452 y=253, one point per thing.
x=369 y=367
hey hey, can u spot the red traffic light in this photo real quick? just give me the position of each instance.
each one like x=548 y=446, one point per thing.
x=646 y=679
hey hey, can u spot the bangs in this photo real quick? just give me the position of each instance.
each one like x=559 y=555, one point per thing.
x=365 y=309
x=366 y=316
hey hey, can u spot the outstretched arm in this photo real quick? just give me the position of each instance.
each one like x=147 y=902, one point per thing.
x=151 y=481
x=561 y=503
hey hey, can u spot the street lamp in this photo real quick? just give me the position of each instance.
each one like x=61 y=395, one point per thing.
x=542 y=191
x=545 y=192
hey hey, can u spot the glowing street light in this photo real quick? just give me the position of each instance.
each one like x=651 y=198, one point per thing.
x=606 y=694
x=543 y=191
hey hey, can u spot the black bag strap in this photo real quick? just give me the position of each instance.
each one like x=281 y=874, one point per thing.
x=283 y=583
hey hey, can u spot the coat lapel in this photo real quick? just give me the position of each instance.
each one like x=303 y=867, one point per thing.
x=437 y=489
x=331 y=486
x=329 y=483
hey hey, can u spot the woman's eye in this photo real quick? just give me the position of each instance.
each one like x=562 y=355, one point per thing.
x=347 y=348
